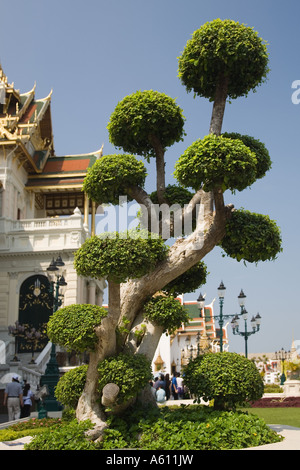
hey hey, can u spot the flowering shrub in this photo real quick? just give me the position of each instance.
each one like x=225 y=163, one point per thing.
x=36 y=423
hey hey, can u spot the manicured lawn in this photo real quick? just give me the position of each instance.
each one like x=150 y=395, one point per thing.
x=284 y=415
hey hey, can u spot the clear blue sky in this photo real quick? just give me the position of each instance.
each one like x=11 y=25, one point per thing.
x=94 y=53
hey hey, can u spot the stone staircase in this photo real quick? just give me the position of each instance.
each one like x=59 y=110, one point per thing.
x=25 y=369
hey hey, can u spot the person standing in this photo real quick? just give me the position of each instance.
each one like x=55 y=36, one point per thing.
x=168 y=384
x=179 y=386
x=174 y=390
x=27 y=401
x=13 y=398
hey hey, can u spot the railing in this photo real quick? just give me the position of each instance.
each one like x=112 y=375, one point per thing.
x=42 y=234
x=73 y=221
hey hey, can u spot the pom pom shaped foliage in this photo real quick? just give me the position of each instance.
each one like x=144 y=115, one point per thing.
x=251 y=237
x=223 y=50
x=118 y=256
x=73 y=327
x=216 y=161
x=70 y=386
x=258 y=148
x=167 y=312
x=111 y=175
x=227 y=378
x=142 y=115
x=189 y=281
x=174 y=195
x=130 y=372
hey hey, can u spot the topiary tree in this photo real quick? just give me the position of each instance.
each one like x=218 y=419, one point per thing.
x=227 y=378
x=223 y=59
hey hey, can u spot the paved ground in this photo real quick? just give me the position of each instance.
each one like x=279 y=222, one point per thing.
x=291 y=439
x=291 y=436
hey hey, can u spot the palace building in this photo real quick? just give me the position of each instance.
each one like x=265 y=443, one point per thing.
x=44 y=216
x=198 y=336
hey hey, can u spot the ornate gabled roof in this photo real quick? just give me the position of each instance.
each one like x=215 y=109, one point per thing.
x=26 y=126
x=25 y=122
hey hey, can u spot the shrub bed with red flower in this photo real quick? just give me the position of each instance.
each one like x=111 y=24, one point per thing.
x=276 y=402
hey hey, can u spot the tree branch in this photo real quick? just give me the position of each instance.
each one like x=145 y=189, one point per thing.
x=184 y=254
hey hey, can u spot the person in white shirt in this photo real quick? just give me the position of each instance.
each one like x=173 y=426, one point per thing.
x=179 y=386
x=160 y=395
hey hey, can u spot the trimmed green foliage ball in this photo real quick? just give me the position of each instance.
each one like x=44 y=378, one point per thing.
x=130 y=372
x=144 y=114
x=219 y=50
x=174 y=195
x=73 y=326
x=111 y=176
x=119 y=256
x=70 y=386
x=258 y=148
x=216 y=162
x=167 y=312
x=251 y=237
x=227 y=378
x=189 y=281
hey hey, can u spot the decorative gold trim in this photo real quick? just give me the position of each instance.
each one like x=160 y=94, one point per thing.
x=55 y=175
x=57 y=187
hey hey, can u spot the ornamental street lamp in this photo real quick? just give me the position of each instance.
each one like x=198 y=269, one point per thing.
x=282 y=355
x=221 y=317
x=255 y=324
x=201 y=303
x=51 y=376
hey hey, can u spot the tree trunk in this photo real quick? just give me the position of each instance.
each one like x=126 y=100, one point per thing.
x=89 y=406
x=184 y=254
x=219 y=106
x=160 y=167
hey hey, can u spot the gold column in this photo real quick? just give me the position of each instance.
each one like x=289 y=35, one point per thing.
x=86 y=210
x=93 y=228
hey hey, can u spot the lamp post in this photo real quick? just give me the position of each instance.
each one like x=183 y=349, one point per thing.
x=51 y=376
x=282 y=355
x=255 y=322
x=221 y=317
